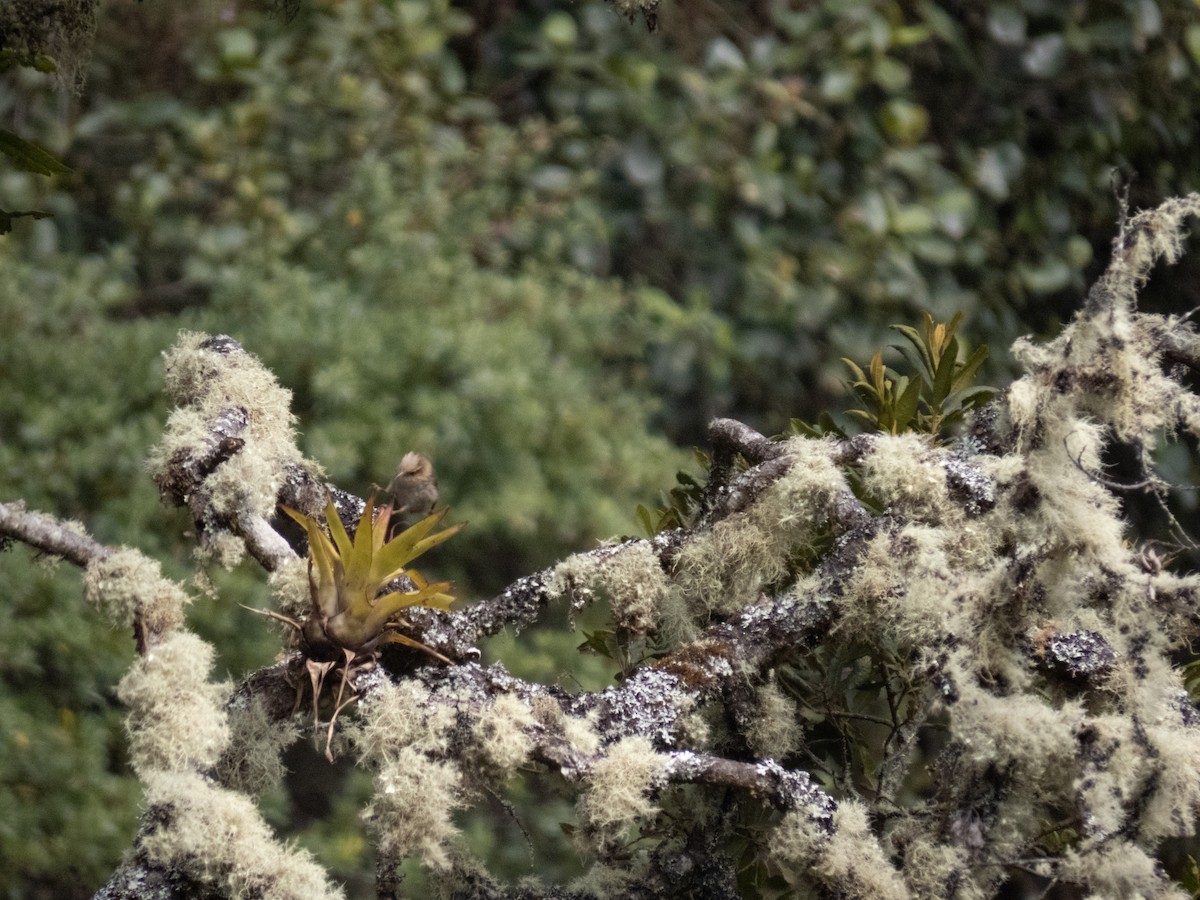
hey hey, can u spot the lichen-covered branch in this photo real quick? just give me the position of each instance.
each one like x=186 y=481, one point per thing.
x=49 y=535
x=196 y=836
x=229 y=453
x=892 y=667
x=263 y=542
x=992 y=580
x=468 y=726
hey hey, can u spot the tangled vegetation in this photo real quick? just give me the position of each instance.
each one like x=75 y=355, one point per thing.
x=884 y=666
x=545 y=246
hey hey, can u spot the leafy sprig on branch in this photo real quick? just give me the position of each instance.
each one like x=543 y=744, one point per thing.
x=936 y=394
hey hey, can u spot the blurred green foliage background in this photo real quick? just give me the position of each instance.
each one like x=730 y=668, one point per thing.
x=535 y=242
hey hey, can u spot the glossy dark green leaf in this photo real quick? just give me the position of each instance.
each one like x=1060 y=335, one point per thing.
x=597 y=642
x=922 y=349
x=828 y=426
x=944 y=376
x=966 y=373
x=860 y=377
x=646 y=520
x=29 y=157
x=803 y=429
x=976 y=396
x=906 y=406
x=916 y=362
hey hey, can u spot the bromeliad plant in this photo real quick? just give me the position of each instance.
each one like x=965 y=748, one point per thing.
x=350 y=612
x=353 y=614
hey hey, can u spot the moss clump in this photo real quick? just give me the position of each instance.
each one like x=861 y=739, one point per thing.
x=853 y=858
x=930 y=867
x=1053 y=499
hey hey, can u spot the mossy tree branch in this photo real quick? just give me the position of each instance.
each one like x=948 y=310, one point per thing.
x=990 y=582
x=178 y=726
x=49 y=535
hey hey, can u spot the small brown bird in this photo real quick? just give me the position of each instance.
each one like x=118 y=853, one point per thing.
x=414 y=490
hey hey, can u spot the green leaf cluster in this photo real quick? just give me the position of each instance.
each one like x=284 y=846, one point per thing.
x=938 y=392
x=853 y=696
x=842 y=166
x=681 y=505
x=932 y=397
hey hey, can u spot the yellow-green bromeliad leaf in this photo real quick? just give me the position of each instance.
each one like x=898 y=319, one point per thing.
x=351 y=573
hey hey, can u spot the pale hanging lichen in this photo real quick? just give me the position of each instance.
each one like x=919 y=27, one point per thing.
x=175 y=721
x=128 y=585
x=501 y=742
x=1118 y=869
x=231 y=438
x=400 y=715
x=178 y=728
x=849 y=855
x=620 y=792
x=580 y=734
x=413 y=805
x=218 y=837
x=723 y=569
x=290 y=589
x=903 y=472
x=252 y=761
x=775 y=732
x=630 y=578
x=404 y=733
